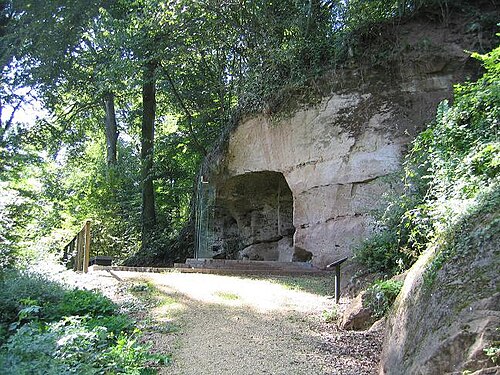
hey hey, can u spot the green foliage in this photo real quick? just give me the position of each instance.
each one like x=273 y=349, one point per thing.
x=114 y=324
x=458 y=239
x=380 y=252
x=493 y=352
x=69 y=346
x=28 y=296
x=380 y=296
x=47 y=329
x=451 y=165
x=82 y=302
x=21 y=290
x=213 y=64
x=330 y=316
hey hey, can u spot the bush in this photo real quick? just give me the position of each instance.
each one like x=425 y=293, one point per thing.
x=70 y=346
x=380 y=252
x=48 y=329
x=19 y=290
x=115 y=324
x=81 y=302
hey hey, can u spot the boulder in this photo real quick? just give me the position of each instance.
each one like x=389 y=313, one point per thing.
x=356 y=316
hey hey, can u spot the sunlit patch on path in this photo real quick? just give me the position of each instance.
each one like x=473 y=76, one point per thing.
x=213 y=324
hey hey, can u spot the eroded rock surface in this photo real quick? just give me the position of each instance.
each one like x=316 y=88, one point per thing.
x=442 y=323
x=336 y=160
x=357 y=316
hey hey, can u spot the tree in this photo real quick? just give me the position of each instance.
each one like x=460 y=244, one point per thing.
x=147 y=147
x=63 y=50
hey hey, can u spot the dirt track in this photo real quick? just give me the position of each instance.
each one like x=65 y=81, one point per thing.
x=221 y=325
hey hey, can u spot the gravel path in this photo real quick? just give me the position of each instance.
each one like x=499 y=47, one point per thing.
x=214 y=324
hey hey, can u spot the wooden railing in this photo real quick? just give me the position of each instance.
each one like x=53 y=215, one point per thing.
x=77 y=251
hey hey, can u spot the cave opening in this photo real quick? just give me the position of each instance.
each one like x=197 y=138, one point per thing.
x=252 y=218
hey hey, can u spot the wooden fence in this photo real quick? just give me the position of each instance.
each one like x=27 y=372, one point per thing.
x=77 y=251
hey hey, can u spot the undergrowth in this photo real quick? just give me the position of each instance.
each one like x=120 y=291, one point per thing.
x=380 y=296
x=46 y=328
x=451 y=165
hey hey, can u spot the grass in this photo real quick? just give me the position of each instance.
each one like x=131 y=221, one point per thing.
x=148 y=293
x=227 y=296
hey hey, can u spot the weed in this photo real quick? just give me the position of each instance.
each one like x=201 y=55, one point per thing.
x=330 y=316
x=493 y=352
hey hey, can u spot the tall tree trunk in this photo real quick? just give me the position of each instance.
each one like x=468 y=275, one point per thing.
x=111 y=128
x=147 y=142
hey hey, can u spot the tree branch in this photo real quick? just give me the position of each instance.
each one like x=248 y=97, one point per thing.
x=177 y=95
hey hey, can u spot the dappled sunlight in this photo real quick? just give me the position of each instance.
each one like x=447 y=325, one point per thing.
x=262 y=295
x=214 y=324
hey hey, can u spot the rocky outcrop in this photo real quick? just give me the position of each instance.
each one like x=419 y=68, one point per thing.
x=357 y=316
x=306 y=186
x=446 y=316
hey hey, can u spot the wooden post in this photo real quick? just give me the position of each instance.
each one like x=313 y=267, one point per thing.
x=77 y=255
x=86 y=255
x=72 y=252
x=81 y=244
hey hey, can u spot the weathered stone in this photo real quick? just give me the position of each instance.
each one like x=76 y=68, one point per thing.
x=443 y=326
x=379 y=325
x=336 y=160
x=356 y=316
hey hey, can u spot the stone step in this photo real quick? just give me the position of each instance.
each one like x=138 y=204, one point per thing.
x=245 y=264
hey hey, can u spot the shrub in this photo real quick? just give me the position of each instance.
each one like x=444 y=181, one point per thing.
x=449 y=166
x=380 y=252
x=42 y=334
x=20 y=289
x=115 y=324
x=70 y=346
x=81 y=302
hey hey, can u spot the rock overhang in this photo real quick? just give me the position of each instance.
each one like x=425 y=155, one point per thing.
x=340 y=158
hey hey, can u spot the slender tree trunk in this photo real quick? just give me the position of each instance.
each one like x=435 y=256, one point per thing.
x=111 y=128
x=147 y=142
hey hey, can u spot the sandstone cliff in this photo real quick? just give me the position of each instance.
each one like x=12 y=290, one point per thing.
x=304 y=187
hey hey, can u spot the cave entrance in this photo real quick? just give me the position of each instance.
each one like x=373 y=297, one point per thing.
x=254 y=217
x=251 y=217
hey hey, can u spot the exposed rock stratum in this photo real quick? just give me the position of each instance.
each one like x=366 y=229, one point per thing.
x=304 y=187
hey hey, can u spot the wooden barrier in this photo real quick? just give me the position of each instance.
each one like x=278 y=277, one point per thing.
x=76 y=253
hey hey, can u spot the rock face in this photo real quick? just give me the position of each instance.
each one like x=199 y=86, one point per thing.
x=305 y=187
x=443 y=325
